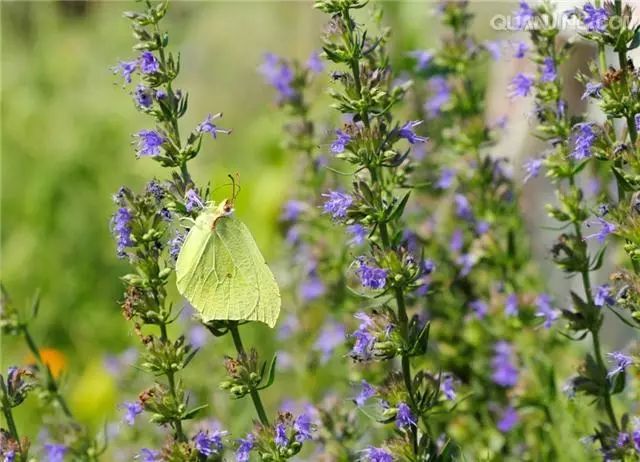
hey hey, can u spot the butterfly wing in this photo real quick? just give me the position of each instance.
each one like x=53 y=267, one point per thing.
x=222 y=273
x=253 y=291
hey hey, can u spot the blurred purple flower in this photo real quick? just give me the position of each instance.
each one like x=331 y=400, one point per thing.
x=546 y=310
x=504 y=371
x=337 y=204
x=509 y=418
x=366 y=392
x=521 y=85
x=331 y=336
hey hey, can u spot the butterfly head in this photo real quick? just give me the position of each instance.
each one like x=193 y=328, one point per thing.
x=226 y=208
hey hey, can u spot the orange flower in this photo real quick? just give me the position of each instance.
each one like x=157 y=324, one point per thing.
x=53 y=358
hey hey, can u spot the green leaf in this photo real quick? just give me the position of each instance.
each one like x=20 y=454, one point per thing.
x=272 y=374
x=191 y=413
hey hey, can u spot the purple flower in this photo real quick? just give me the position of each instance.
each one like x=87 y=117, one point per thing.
x=623 y=439
x=509 y=418
x=583 y=138
x=117 y=364
x=303 y=427
x=603 y=296
x=482 y=227
x=340 y=143
x=156 y=190
x=594 y=18
x=292 y=210
x=532 y=167
x=281 y=439
x=175 y=245
x=207 y=443
x=548 y=70
x=372 y=454
x=423 y=59
x=480 y=308
x=149 y=143
x=364 y=340
x=314 y=63
x=289 y=326
x=606 y=228
x=366 y=392
x=244 y=448
x=371 y=276
x=522 y=15
x=463 y=207
x=447 y=176
x=504 y=371
x=521 y=85
x=511 y=305
x=457 y=241
x=358 y=234
x=121 y=228
x=161 y=94
x=520 y=50
x=592 y=90
x=148 y=63
x=636 y=121
x=622 y=362
x=404 y=417
x=149 y=455
x=126 y=69
x=279 y=75
x=466 y=262
x=312 y=287
x=441 y=95
x=55 y=452
x=331 y=336
x=143 y=97
x=494 y=47
x=198 y=336
x=407 y=132
x=447 y=388
x=132 y=410
x=193 y=201
x=337 y=204
x=546 y=310
x=207 y=126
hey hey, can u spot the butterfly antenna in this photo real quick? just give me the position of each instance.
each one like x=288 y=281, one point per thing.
x=235 y=183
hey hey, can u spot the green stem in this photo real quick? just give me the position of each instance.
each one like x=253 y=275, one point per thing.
x=52 y=384
x=255 y=396
x=177 y=423
x=607 y=396
x=595 y=336
x=8 y=415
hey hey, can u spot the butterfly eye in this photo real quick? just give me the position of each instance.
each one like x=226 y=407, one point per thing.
x=227 y=208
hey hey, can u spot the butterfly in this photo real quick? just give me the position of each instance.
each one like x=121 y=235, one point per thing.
x=222 y=273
